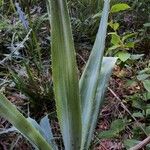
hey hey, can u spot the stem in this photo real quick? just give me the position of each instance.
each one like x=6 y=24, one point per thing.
x=141 y=144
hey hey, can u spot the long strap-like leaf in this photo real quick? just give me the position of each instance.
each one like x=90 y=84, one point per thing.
x=93 y=111
x=89 y=81
x=9 y=111
x=65 y=76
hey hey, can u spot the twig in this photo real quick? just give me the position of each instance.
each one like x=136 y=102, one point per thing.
x=141 y=144
x=126 y=109
x=15 y=49
x=81 y=58
x=99 y=142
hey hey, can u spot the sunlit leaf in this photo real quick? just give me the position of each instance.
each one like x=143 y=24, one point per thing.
x=119 y=7
x=115 y=38
x=123 y=55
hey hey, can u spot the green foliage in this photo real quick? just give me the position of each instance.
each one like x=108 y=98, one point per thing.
x=140 y=111
x=117 y=126
x=93 y=79
x=139 y=8
x=75 y=113
x=120 y=43
x=44 y=129
x=119 y=7
x=85 y=17
x=40 y=85
x=123 y=56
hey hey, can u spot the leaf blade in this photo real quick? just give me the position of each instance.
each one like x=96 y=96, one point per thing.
x=89 y=81
x=65 y=76
x=9 y=111
x=108 y=62
x=119 y=7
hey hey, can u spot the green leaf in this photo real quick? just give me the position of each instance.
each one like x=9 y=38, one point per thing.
x=146 y=96
x=115 y=38
x=119 y=7
x=65 y=77
x=107 y=134
x=123 y=55
x=46 y=127
x=114 y=26
x=94 y=81
x=130 y=45
x=45 y=130
x=93 y=109
x=118 y=125
x=9 y=111
x=138 y=115
x=110 y=49
x=146 y=84
x=138 y=104
x=127 y=36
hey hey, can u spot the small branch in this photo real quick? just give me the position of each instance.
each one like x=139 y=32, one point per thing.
x=99 y=141
x=141 y=144
x=81 y=58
